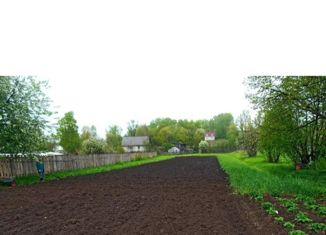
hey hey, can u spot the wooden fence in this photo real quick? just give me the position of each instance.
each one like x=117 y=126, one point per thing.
x=12 y=167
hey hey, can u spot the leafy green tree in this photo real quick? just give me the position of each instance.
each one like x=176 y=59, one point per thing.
x=48 y=143
x=181 y=135
x=248 y=136
x=68 y=133
x=114 y=139
x=165 y=137
x=304 y=99
x=142 y=130
x=132 y=127
x=24 y=112
x=197 y=137
x=220 y=124
x=274 y=137
x=232 y=135
x=88 y=133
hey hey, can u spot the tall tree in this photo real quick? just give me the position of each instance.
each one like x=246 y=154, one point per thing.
x=131 y=128
x=88 y=133
x=305 y=98
x=68 y=133
x=248 y=135
x=24 y=112
x=232 y=135
x=113 y=139
x=220 y=124
x=142 y=130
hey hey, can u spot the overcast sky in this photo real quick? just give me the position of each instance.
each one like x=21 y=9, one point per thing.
x=113 y=61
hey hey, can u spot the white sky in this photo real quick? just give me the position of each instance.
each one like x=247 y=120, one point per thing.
x=113 y=61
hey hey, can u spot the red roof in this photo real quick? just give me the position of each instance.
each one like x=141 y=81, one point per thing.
x=210 y=133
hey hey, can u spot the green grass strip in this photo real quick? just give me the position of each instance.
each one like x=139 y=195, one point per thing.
x=256 y=176
x=26 y=180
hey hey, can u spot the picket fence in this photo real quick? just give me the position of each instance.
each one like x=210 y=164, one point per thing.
x=12 y=167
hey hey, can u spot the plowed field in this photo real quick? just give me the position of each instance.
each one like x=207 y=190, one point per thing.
x=185 y=195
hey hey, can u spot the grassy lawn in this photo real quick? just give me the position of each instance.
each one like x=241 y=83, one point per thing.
x=256 y=176
x=25 y=180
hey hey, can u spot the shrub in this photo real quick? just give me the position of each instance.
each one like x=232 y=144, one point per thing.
x=221 y=146
x=93 y=146
x=319 y=165
x=203 y=146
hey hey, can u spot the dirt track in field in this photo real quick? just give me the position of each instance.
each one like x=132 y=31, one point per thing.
x=179 y=196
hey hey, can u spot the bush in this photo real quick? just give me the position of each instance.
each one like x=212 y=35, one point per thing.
x=319 y=165
x=93 y=146
x=221 y=146
x=203 y=146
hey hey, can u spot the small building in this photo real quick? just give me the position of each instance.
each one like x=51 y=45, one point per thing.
x=210 y=136
x=135 y=143
x=174 y=150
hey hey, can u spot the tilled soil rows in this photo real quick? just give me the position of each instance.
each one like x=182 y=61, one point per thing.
x=185 y=195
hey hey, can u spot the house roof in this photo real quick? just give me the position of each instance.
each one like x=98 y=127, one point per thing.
x=210 y=133
x=135 y=140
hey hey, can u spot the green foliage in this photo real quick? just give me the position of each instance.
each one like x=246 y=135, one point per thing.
x=290 y=205
x=302 y=218
x=311 y=204
x=269 y=208
x=232 y=135
x=93 y=146
x=68 y=133
x=288 y=225
x=294 y=111
x=256 y=176
x=321 y=210
x=88 y=133
x=166 y=132
x=259 y=198
x=142 y=131
x=220 y=124
x=317 y=227
x=220 y=146
x=319 y=165
x=279 y=219
x=113 y=139
x=132 y=127
x=24 y=109
x=297 y=232
x=272 y=141
x=248 y=136
x=203 y=146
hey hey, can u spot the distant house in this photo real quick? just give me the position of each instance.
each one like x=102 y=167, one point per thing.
x=135 y=143
x=209 y=136
x=174 y=150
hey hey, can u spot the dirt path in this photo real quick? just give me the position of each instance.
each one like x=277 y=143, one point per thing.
x=180 y=196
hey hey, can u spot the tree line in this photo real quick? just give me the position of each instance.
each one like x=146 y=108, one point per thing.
x=290 y=122
x=291 y=118
x=25 y=126
x=164 y=133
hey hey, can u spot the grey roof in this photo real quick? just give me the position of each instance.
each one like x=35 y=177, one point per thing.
x=135 y=140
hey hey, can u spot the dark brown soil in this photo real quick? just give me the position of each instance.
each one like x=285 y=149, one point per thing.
x=179 y=196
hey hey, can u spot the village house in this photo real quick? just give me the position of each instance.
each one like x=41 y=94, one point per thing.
x=135 y=143
x=210 y=136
